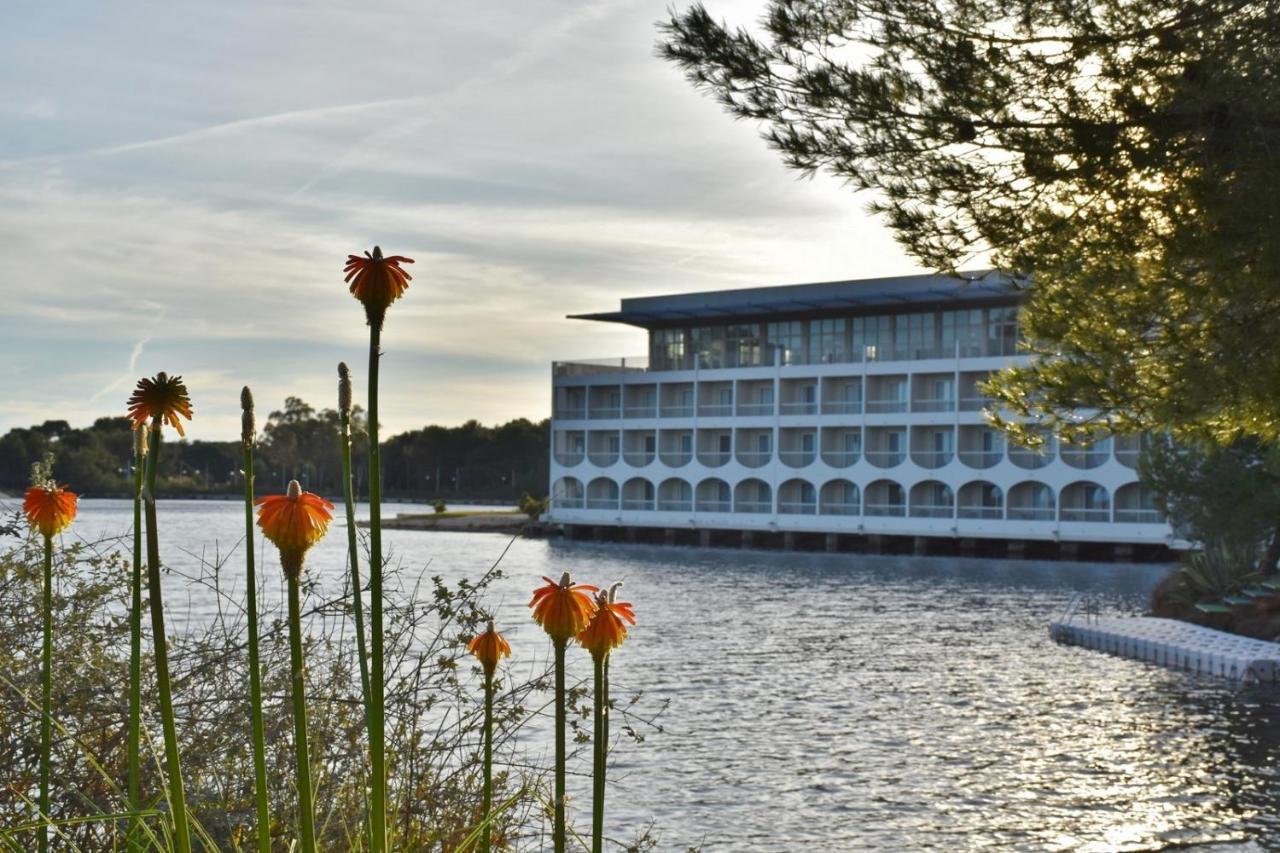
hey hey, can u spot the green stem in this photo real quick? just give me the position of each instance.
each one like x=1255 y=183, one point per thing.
x=173 y=761
x=601 y=739
x=260 y=790
x=135 y=662
x=306 y=803
x=353 y=549
x=486 y=839
x=377 y=745
x=46 y=707
x=559 y=836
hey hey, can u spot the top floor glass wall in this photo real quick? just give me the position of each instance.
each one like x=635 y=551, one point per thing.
x=837 y=340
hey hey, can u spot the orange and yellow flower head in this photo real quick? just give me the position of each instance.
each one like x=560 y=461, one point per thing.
x=162 y=399
x=294 y=522
x=489 y=648
x=608 y=626
x=563 y=609
x=50 y=509
x=377 y=281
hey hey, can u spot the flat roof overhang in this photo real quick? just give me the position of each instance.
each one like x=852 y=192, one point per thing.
x=869 y=295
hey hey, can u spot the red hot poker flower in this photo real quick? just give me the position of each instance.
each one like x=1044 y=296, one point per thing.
x=377 y=281
x=563 y=609
x=49 y=509
x=294 y=522
x=489 y=648
x=608 y=627
x=164 y=398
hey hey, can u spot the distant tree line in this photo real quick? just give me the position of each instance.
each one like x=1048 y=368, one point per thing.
x=471 y=461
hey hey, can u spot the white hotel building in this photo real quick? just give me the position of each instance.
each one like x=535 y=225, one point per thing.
x=845 y=408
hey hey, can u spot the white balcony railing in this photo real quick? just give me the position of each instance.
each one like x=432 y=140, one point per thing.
x=1030 y=513
x=886 y=406
x=571 y=413
x=714 y=458
x=1029 y=459
x=754 y=409
x=1139 y=516
x=675 y=458
x=568 y=502
x=1070 y=513
x=677 y=411
x=754 y=458
x=975 y=404
x=649 y=411
x=840 y=458
x=602 y=503
x=940 y=404
x=605 y=413
x=829 y=508
x=755 y=507
x=986 y=512
x=885 y=458
x=675 y=505
x=884 y=509
x=638 y=458
x=797 y=508
x=799 y=408
x=932 y=511
x=713 y=506
x=603 y=458
x=714 y=410
x=842 y=407
x=639 y=504
x=797 y=458
x=981 y=458
x=570 y=459
x=932 y=458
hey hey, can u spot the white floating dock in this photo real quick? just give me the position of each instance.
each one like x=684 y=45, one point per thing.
x=1175 y=644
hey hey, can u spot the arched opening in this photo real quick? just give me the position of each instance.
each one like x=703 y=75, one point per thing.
x=1136 y=504
x=753 y=496
x=714 y=495
x=839 y=497
x=675 y=495
x=884 y=497
x=1084 y=500
x=980 y=499
x=637 y=494
x=602 y=493
x=932 y=499
x=567 y=493
x=797 y=497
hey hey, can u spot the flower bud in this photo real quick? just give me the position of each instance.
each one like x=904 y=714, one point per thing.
x=344 y=388
x=248 y=424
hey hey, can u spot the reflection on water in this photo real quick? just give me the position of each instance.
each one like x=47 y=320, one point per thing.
x=843 y=702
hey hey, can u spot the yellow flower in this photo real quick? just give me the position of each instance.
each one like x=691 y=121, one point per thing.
x=563 y=609
x=294 y=522
x=163 y=398
x=489 y=648
x=377 y=281
x=608 y=627
x=49 y=509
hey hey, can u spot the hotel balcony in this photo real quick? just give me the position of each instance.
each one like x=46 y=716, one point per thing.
x=715 y=447
x=1086 y=457
x=1136 y=504
x=675 y=447
x=797 y=497
x=886 y=394
x=602 y=493
x=1033 y=459
x=715 y=399
x=675 y=495
x=933 y=392
x=755 y=398
x=884 y=498
x=639 y=447
x=932 y=499
x=981 y=446
x=980 y=499
x=604 y=402
x=932 y=447
x=841 y=395
x=752 y=496
x=797 y=446
x=798 y=397
x=885 y=446
x=841 y=446
x=1084 y=501
x=753 y=447
x=603 y=447
x=637 y=495
x=839 y=497
x=676 y=400
x=570 y=447
x=713 y=495
x=1031 y=501
x=971 y=397
x=640 y=401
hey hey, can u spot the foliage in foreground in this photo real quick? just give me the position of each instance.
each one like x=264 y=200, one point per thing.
x=1121 y=152
x=433 y=713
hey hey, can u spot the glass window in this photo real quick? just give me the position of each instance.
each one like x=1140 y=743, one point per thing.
x=827 y=341
x=666 y=348
x=787 y=338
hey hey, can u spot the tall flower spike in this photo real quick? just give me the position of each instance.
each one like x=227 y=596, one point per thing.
x=489 y=648
x=377 y=281
x=344 y=388
x=140 y=441
x=563 y=609
x=248 y=423
x=49 y=509
x=294 y=522
x=608 y=627
x=163 y=398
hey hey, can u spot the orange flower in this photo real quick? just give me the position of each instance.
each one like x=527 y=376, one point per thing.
x=162 y=398
x=489 y=648
x=50 y=509
x=608 y=627
x=377 y=281
x=294 y=522
x=563 y=609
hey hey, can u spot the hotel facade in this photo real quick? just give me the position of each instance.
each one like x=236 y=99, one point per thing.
x=839 y=408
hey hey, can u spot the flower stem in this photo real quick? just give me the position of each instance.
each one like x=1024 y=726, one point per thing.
x=601 y=742
x=260 y=791
x=353 y=549
x=135 y=663
x=377 y=745
x=486 y=839
x=46 y=707
x=306 y=803
x=559 y=836
x=173 y=761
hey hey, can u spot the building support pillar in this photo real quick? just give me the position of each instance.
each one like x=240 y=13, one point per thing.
x=788 y=540
x=704 y=538
x=748 y=538
x=1016 y=549
x=920 y=545
x=832 y=543
x=669 y=536
x=875 y=544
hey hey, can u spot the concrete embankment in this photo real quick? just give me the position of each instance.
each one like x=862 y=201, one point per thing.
x=464 y=522
x=1173 y=644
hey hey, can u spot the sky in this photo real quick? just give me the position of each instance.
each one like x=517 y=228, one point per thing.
x=180 y=183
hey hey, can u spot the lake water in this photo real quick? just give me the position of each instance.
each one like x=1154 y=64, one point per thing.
x=847 y=702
